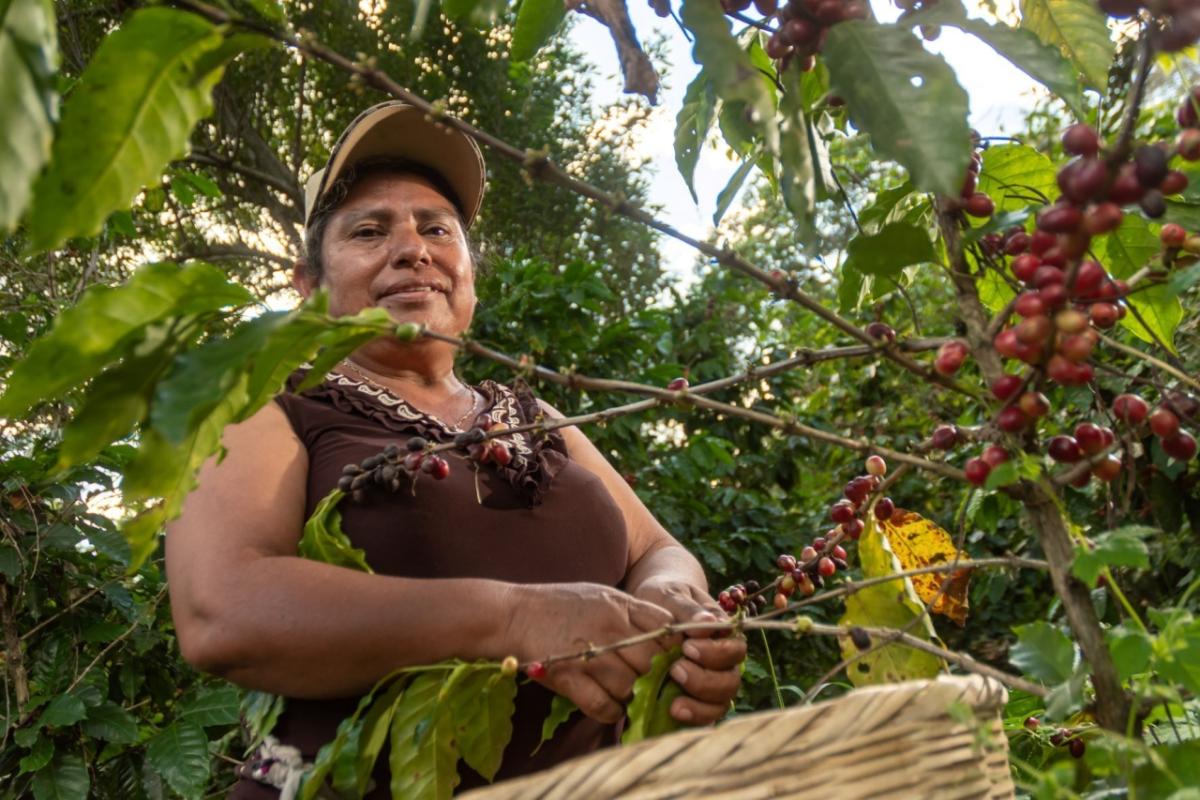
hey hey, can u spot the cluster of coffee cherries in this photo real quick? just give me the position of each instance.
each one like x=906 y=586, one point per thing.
x=391 y=466
x=482 y=449
x=1063 y=737
x=802 y=27
x=806 y=572
x=972 y=202
x=746 y=598
x=1165 y=421
x=1178 y=23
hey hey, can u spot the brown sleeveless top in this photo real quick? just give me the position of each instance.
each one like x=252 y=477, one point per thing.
x=540 y=519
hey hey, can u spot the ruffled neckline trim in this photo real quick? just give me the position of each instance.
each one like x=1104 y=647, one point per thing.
x=537 y=457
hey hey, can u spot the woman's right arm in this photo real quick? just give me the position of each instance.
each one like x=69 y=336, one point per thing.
x=248 y=608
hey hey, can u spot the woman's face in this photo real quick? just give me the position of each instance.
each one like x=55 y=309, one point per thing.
x=396 y=243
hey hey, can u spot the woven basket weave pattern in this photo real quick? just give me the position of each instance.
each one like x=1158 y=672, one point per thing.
x=903 y=741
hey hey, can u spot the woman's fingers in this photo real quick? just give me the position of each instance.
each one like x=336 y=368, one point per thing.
x=717 y=686
x=690 y=711
x=593 y=699
x=716 y=654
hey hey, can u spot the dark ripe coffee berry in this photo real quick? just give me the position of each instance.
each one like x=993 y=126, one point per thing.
x=1059 y=218
x=976 y=470
x=1126 y=188
x=1054 y=296
x=1120 y=8
x=1090 y=438
x=853 y=529
x=1065 y=449
x=786 y=562
x=738 y=594
x=1150 y=165
x=1059 y=737
x=1029 y=304
x=860 y=638
x=1011 y=419
x=358 y=495
x=829 y=12
x=1047 y=275
x=1174 y=183
x=1081 y=140
x=979 y=205
x=1102 y=218
x=388 y=473
x=412 y=461
x=1163 y=422
x=360 y=480
x=857 y=490
x=819 y=543
x=1104 y=315
x=1188 y=145
x=777 y=46
x=1089 y=275
x=752 y=587
x=1034 y=404
x=1130 y=408
x=876 y=465
x=439 y=468
x=826 y=567
x=841 y=511
x=884 y=509
x=1005 y=386
x=994 y=455
x=878 y=330
x=944 y=437
x=535 y=670
x=372 y=462
x=345 y=484
x=1184 y=405
x=1024 y=266
x=1032 y=723
x=1181 y=446
x=1173 y=235
x=1108 y=468
x=416 y=444
x=808 y=554
x=838 y=552
x=1017 y=243
x=1083 y=179
x=678 y=385
x=950 y=357
x=801 y=32
x=500 y=453
x=1153 y=204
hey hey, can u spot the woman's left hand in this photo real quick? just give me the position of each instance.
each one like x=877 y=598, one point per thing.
x=708 y=671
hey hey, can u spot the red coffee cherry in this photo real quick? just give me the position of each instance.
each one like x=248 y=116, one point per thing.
x=876 y=465
x=979 y=205
x=1065 y=449
x=977 y=471
x=1173 y=235
x=950 y=357
x=1024 y=266
x=944 y=437
x=1164 y=423
x=994 y=455
x=841 y=511
x=878 y=330
x=1059 y=219
x=1108 y=468
x=1102 y=218
x=1130 y=408
x=535 y=670
x=1011 y=419
x=786 y=562
x=1181 y=446
x=1034 y=404
x=1005 y=386
x=1081 y=140
x=678 y=385
x=884 y=509
x=853 y=529
x=1090 y=437
x=826 y=567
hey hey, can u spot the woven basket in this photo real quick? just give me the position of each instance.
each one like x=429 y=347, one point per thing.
x=924 y=739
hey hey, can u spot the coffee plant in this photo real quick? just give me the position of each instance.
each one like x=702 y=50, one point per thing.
x=1002 y=344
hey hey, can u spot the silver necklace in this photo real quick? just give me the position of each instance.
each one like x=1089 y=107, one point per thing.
x=457 y=423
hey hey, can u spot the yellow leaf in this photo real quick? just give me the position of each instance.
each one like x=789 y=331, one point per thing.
x=917 y=542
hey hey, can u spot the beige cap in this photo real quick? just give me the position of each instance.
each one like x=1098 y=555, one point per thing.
x=395 y=129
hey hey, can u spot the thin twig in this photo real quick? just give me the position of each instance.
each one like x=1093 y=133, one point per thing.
x=1158 y=362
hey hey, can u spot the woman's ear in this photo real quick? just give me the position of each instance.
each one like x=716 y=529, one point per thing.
x=303 y=279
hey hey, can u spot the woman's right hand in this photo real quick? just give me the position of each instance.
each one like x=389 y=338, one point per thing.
x=564 y=618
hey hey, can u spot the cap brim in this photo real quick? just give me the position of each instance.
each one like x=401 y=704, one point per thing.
x=400 y=131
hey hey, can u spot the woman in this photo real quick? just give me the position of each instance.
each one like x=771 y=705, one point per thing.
x=556 y=552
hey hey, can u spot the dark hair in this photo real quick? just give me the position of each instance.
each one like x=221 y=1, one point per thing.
x=337 y=192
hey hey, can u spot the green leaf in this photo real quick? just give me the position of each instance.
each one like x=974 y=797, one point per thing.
x=1040 y=61
x=1129 y=248
x=1131 y=649
x=1043 y=652
x=38 y=756
x=65 y=779
x=112 y=723
x=117 y=400
x=797 y=176
x=106 y=323
x=375 y=728
x=1078 y=29
x=129 y=116
x=179 y=753
x=1016 y=176
x=894 y=604
x=905 y=98
x=66 y=709
x=1174 y=769
x=1123 y=547
x=646 y=689
x=28 y=102
x=742 y=89
x=324 y=540
x=661 y=721
x=481 y=704
x=1177 y=651
x=692 y=124
x=10 y=562
x=212 y=705
x=537 y=20
x=260 y=712
x=725 y=198
x=561 y=708
x=423 y=754
x=896 y=246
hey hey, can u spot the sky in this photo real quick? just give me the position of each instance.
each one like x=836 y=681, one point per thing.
x=999 y=94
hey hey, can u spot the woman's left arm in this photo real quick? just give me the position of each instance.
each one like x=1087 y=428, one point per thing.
x=661 y=571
